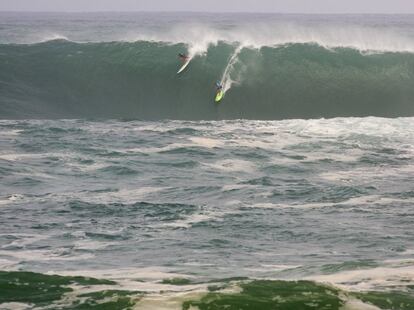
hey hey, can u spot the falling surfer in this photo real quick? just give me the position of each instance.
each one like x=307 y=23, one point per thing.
x=185 y=60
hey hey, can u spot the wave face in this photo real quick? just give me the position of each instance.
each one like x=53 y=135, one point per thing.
x=272 y=66
x=138 y=80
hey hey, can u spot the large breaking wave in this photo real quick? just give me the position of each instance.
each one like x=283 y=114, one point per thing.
x=304 y=78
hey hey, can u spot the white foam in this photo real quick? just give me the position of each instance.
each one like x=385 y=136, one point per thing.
x=165 y=148
x=299 y=206
x=255 y=143
x=370 y=279
x=147 y=279
x=270 y=268
x=193 y=219
x=280 y=267
x=88 y=167
x=348 y=157
x=15 y=157
x=227 y=80
x=12 y=198
x=124 y=195
x=92 y=245
x=25 y=156
x=23 y=239
x=35 y=174
x=409 y=252
x=51 y=37
x=15 y=306
x=206 y=142
x=199 y=37
x=14 y=132
x=43 y=255
x=174 y=300
x=168 y=301
x=6 y=264
x=355 y=304
x=370 y=174
x=232 y=165
x=357 y=201
x=193 y=142
x=146 y=273
x=232 y=187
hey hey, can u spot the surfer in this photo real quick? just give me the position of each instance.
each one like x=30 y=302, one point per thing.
x=219 y=92
x=184 y=58
x=219 y=87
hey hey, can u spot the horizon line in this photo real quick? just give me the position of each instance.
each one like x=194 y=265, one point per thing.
x=208 y=12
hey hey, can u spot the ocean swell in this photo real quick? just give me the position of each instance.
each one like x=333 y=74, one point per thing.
x=64 y=79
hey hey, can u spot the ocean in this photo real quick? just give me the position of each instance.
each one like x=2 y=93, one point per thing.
x=125 y=186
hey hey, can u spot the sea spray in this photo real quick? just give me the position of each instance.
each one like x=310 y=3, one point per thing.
x=226 y=80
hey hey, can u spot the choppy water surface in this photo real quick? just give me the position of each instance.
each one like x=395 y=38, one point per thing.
x=140 y=202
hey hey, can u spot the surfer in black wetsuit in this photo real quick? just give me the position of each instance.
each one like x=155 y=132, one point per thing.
x=183 y=57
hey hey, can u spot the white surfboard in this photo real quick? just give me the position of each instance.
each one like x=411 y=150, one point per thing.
x=184 y=66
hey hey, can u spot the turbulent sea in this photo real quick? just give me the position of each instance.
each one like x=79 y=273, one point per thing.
x=124 y=186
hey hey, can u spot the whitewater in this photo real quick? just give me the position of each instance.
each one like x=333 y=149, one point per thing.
x=125 y=186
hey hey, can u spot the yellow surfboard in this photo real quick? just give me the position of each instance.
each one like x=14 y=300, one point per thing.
x=219 y=96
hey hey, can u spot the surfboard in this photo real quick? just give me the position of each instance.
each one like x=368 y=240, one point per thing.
x=219 y=96
x=184 y=66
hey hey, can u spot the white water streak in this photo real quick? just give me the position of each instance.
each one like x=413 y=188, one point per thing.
x=226 y=80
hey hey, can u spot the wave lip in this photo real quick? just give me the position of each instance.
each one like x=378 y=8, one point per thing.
x=386 y=33
x=199 y=37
